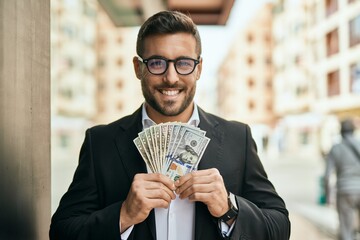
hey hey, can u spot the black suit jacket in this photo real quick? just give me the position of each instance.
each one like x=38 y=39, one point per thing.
x=90 y=209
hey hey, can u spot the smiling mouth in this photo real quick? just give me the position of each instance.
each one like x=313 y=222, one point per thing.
x=169 y=92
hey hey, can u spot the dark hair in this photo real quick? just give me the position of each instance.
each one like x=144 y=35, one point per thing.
x=167 y=22
x=347 y=126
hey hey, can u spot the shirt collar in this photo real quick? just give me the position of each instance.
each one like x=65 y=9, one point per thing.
x=148 y=122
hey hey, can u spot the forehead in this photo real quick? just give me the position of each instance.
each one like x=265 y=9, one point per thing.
x=170 y=45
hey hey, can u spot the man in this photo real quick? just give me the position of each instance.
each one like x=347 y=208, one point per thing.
x=344 y=157
x=113 y=197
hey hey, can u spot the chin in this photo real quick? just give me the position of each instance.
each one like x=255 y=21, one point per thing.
x=170 y=113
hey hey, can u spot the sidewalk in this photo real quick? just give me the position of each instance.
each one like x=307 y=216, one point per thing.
x=296 y=178
x=323 y=217
x=303 y=229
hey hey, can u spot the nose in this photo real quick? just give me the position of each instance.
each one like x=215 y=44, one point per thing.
x=171 y=76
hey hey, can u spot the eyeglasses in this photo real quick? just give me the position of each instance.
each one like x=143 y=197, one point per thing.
x=159 y=65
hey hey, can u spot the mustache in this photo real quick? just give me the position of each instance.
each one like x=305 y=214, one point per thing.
x=165 y=85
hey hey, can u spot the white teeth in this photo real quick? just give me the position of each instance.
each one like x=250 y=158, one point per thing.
x=170 y=93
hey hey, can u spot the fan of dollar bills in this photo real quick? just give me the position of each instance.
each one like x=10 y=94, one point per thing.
x=172 y=148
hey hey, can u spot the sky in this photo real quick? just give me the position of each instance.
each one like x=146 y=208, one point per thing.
x=216 y=41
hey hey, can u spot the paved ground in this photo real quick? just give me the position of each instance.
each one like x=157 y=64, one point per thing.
x=303 y=229
x=296 y=178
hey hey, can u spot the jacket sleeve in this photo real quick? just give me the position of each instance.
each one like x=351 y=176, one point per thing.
x=262 y=212
x=79 y=209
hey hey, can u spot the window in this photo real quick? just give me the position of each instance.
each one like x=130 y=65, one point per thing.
x=250 y=60
x=304 y=137
x=251 y=105
x=69 y=62
x=251 y=82
x=89 y=10
x=333 y=83
x=69 y=31
x=101 y=108
x=102 y=41
x=278 y=8
x=269 y=107
x=67 y=93
x=120 y=84
x=298 y=91
x=301 y=90
x=120 y=62
x=331 y=7
x=268 y=60
x=355 y=78
x=354 y=31
x=120 y=40
x=64 y=140
x=332 y=42
x=101 y=63
x=59 y=11
x=268 y=83
x=101 y=86
x=267 y=37
x=250 y=38
x=120 y=106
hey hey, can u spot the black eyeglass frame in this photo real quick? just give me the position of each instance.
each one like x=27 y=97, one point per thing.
x=145 y=61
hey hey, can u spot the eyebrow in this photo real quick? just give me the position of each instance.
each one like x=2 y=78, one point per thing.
x=159 y=56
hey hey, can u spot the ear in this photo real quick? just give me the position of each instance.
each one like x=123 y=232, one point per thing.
x=137 y=67
x=199 y=68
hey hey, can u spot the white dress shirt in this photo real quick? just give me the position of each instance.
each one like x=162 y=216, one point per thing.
x=178 y=221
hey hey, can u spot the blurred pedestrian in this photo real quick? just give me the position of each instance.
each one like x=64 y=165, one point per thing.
x=344 y=159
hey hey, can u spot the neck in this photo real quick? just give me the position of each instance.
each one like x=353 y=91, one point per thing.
x=160 y=118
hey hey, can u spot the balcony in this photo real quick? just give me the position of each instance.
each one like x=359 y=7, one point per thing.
x=134 y=12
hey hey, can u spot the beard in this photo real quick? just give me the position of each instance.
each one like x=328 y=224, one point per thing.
x=168 y=108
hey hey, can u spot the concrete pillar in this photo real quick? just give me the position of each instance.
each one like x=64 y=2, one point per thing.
x=24 y=119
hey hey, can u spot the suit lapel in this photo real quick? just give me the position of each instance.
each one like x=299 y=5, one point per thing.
x=129 y=155
x=210 y=159
x=213 y=152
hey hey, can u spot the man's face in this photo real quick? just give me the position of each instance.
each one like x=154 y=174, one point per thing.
x=187 y=157
x=169 y=94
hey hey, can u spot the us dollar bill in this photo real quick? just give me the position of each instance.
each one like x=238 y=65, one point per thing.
x=187 y=154
x=173 y=149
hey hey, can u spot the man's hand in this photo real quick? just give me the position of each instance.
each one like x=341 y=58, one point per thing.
x=206 y=186
x=148 y=191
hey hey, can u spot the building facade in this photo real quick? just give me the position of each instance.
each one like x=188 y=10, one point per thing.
x=245 y=78
x=118 y=89
x=73 y=58
x=316 y=70
x=73 y=86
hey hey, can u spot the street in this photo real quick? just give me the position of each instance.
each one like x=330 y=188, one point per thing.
x=296 y=179
x=302 y=229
